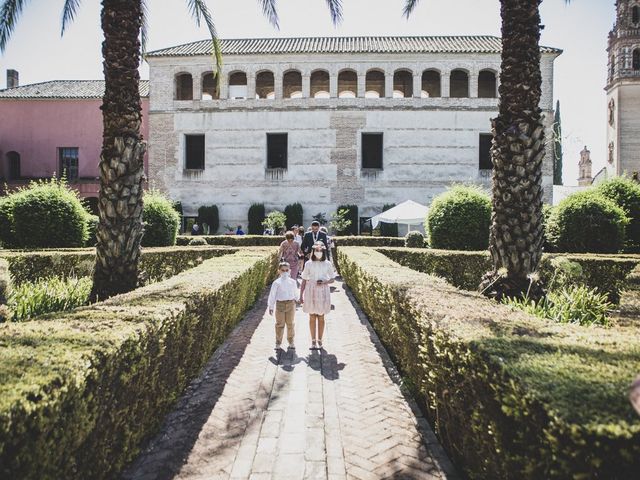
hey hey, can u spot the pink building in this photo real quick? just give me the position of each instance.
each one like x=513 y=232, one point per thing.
x=55 y=126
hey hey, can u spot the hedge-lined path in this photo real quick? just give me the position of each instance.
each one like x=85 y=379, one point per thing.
x=334 y=414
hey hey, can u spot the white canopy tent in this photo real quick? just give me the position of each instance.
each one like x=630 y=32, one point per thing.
x=408 y=213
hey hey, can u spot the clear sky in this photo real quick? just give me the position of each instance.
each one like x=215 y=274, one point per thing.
x=580 y=29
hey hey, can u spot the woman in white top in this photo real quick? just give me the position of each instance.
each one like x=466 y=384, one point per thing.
x=315 y=293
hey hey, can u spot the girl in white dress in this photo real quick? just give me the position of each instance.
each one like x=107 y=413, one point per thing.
x=314 y=292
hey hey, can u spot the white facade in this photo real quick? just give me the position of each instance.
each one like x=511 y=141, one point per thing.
x=428 y=143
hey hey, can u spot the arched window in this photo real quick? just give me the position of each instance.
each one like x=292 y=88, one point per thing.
x=402 y=84
x=13 y=162
x=347 y=84
x=636 y=59
x=320 y=84
x=635 y=14
x=292 y=84
x=459 y=84
x=374 y=84
x=430 y=84
x=487 y=84
x=238 y=85
x=184 y=86
x=209 y=87
x=265 y=85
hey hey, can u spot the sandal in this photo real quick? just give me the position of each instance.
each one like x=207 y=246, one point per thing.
x=319 y=344
x=314 y=345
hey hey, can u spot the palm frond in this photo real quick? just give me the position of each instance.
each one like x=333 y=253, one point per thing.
x=199 y=11
x=69 y=13
x=269 y=11
x=9 y=13
x=335 y=8
x=409 y=7
x=144 y=28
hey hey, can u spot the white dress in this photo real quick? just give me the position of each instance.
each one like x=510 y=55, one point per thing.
x=317 y=298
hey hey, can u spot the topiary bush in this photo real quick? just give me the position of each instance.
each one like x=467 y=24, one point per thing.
x=194 y=241
x=625 y=193
x=209 y=216
x=352 y=215
x=255 y=217
x=587 y=222
x=414 y=240
x=294 y=214
x=161 y=221
x=388 y=229
x=48 y=214
x=92 y=225
x=459 y=219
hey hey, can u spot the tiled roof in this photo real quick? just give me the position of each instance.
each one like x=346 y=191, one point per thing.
x=248 y=46
x=64 y=89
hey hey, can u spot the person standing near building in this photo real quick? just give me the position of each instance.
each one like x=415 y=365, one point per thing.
x=315 y=294
x=312 y=237
x=289 y=252
x=282 y=301
x=239 y=231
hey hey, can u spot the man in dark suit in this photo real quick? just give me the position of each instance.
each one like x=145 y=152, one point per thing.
x=310 y=238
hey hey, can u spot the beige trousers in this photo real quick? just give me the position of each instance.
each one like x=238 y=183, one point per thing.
x=285 y=313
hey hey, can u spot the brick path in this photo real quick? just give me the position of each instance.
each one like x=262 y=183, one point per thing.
x=335 y=414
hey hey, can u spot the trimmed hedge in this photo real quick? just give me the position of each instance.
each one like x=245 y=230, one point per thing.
x=82 y=390
x=510 y=395
x=465 y=269
x=294 y=213
x=255 y=217
x=155 y=264
x=625 y=193
x=414 y=240
x=7 y=238
x=270 y=240
x=161 y=221
x=5 y=281
x=209 y=215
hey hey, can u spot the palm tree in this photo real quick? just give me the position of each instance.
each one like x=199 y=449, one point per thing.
x=517 y=152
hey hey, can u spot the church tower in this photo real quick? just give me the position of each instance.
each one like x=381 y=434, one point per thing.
x=585 y=167
x=623 y=90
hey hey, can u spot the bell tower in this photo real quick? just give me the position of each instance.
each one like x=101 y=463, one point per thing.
x=623 y=90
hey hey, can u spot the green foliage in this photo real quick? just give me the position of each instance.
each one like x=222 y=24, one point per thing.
x=465 y=269
x=321 y=218
x=276 y=221
x=177 y=206
x=92 y=225
x=194 y=241
x=414 y=240
x=625 y=193
x=340 y=221
x=29 y=300
x=557 y=147
x=209 y=216
x=294 y=214
x=459 y=219
x=388 y=229
x=587 y=222
x=256 y=217
x=235 y=240
x=365 y=241
x=48 y=214
x=75 y=382
x=5 y=281
x=352 y=216
x=546 y=213
x=161 y=221
x=7 y=237
x=510 y=395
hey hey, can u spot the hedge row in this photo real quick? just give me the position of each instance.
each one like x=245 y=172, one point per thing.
x=269 y=240
x=155 y=264
x=465 y=269
x=510 y=395
x=81 y=390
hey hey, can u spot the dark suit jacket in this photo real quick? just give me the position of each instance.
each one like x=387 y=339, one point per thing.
x=307 y=242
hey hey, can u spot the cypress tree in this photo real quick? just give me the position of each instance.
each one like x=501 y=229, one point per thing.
x=557 y=147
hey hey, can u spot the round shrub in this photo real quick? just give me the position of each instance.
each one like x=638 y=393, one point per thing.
x=160 y=219
x=294 y=214
x=459 y=219
x=49 y=214
x=195 y=241
x=255 y=217
x=587 y=222
x=625 y=193
x=414 y=240
x=209 y=215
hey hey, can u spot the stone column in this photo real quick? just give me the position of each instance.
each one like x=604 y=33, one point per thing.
x=388 y=85
x=197 y=85
x=445 y=83
x=362 y=84
x=417 y=85
x=306 y=85
x=224 y=85
x=473 y=84
x=251 y=85
x=277 y=86
x=333 y=84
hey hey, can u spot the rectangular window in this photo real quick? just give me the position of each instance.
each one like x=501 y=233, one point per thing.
x=484 y=158
x=372 y=151
x=69 y=162
x=277 y=145
x=194 y=152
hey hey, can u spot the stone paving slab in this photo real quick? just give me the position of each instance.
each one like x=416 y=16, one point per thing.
x=258 y=414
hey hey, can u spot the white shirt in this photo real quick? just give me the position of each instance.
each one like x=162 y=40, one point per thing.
x=282 y=290
x=316 y=270
x=298 y=239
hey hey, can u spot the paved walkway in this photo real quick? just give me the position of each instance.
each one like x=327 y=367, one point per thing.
x=334 y=414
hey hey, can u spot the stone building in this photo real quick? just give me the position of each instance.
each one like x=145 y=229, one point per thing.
x=585 y=168
x=326 y=121
x=623 y=90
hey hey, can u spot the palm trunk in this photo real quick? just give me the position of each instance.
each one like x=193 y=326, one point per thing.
x=121 y=162
x=517 y=153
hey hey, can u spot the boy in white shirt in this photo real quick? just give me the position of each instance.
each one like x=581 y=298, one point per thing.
x=282 y=298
